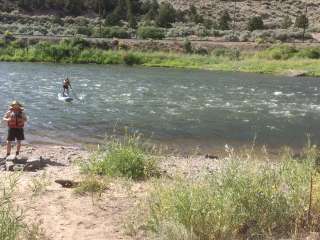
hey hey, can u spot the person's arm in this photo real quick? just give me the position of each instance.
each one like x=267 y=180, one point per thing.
x=70 y=85
x=6 y=117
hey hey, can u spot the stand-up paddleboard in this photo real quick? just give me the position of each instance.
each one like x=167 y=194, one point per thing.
x=65 y=98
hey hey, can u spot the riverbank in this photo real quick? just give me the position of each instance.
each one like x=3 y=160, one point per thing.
x=278 y=59
x=75 y=195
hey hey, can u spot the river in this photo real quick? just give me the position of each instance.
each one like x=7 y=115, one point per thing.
x=184 y=107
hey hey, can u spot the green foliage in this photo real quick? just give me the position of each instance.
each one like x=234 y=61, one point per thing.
x=11 y=225
x=92 y=184
x=311 y=53
x=150 y=33
x=131 y=59
x=87 y=31
x=255 y=23
x=167 y=15
x=194 y=15
x=279 y=52
x=115 y=32
x=241 y=200
x=125 y=157
x=301 y=21
x=187 y=46
x=224 y=21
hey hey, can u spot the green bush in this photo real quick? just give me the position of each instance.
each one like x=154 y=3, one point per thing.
x=151 y=33
x=281 y=52
x=255 y=23
x=87 y=31
x=301 y=21
x=11 y=225
x=115 y=32
x=242 y=200
x=131 y=58
x=312 y=53
x=125 y=157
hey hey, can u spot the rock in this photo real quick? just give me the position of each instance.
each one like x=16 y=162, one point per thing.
x=297 y=73
x=211 y=156
x=9 y=166
x=67 y=183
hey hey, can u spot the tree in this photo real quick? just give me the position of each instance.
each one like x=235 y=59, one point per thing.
x=286 y=22
x=152 y=10
x=194 y=16
x=167 y=15
x=301 y=21
x=224 y=21
x=73 y=7
x=255 y=23
x=130 y=15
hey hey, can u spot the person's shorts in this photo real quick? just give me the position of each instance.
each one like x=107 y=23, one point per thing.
x=15 y=134
x=65 y=87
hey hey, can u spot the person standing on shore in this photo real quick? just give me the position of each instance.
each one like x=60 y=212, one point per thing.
x=66 y=85
x=16 y=119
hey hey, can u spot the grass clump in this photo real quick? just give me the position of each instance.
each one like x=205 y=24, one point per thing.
x=11 y=225
x=92 y=184
x=243 y=199
x=125 y=157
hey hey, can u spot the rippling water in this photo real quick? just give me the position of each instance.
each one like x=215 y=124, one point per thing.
x=198 y=107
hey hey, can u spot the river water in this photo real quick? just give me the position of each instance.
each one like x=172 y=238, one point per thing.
x=186 y=107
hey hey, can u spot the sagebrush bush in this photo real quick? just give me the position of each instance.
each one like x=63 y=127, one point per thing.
x=126 y=157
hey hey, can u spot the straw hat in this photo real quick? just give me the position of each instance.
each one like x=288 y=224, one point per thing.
x=16 y=103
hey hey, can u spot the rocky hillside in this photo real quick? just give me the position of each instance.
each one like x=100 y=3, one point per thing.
x=272 y=11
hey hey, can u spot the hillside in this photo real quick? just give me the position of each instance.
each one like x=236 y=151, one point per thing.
x=272 y=11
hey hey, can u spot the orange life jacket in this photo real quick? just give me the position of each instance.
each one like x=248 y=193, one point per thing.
x=16 y=119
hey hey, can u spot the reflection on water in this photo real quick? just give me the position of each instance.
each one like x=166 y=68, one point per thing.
x=171 y=105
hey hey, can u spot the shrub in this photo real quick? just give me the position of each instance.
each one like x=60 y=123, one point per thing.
x=286 y=22
x=279 y=52
x=125 y=157
x=224 y=21
x=131 y=59
x=151 y=33
x=167 y=15
x=242 y=200
x=313 y=53
x=115 y=32
x=84 y=31
x=255 y=23
x=302 y=21
x=11 y=225
x=187 y=46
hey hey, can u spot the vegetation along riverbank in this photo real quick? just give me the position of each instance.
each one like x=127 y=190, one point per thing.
x=279 y=59
x=129 y=189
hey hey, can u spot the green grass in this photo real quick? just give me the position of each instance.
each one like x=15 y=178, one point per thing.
x=123 y=157
x=278 y=59
x=11 y=225
x=92 y=184
x=242 y=200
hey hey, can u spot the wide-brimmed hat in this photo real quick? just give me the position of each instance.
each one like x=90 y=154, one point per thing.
x=16 y=103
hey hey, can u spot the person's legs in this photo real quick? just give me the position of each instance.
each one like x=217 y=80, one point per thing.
x=8 y=148
x=18 y=147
